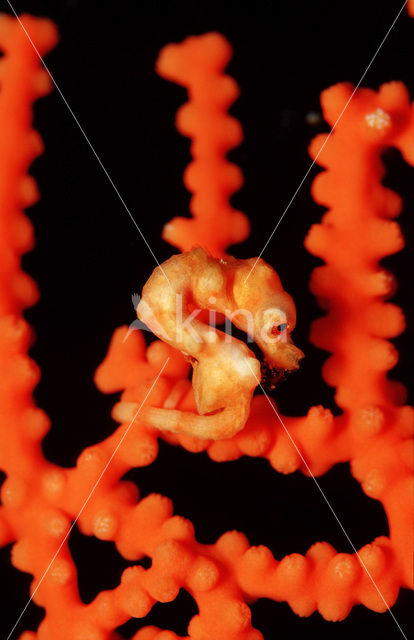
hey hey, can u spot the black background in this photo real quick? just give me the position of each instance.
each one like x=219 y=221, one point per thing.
x=89 y=257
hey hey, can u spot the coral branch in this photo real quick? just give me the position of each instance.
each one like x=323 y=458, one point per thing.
x=355 y=234
x=40 y=500
x=22 y=81
x=373 y=432
x=198 y=65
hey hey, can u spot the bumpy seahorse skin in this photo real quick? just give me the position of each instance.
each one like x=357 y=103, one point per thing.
x=226 y=371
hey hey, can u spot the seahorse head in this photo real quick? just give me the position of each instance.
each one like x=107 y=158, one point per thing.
x=259 y=291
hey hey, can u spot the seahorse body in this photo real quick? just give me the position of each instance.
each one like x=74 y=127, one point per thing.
x=225 y=370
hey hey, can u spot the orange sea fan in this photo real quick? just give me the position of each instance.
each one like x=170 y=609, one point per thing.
x=373 y=432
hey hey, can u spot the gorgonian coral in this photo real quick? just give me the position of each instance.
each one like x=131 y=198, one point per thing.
x=373 y=433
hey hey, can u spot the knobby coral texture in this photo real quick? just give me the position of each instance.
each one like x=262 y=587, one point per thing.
x=373 y=431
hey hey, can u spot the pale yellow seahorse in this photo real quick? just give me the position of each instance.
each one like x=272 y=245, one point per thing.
x=225 y=370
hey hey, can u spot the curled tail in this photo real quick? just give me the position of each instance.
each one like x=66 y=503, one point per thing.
x=221 y=424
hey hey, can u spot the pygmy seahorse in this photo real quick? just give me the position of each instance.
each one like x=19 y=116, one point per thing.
x=179 y=304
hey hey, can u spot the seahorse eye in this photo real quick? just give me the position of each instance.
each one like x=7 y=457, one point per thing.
x=277 y=329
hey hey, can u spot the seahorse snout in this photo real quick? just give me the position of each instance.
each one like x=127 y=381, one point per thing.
x=284 y=355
